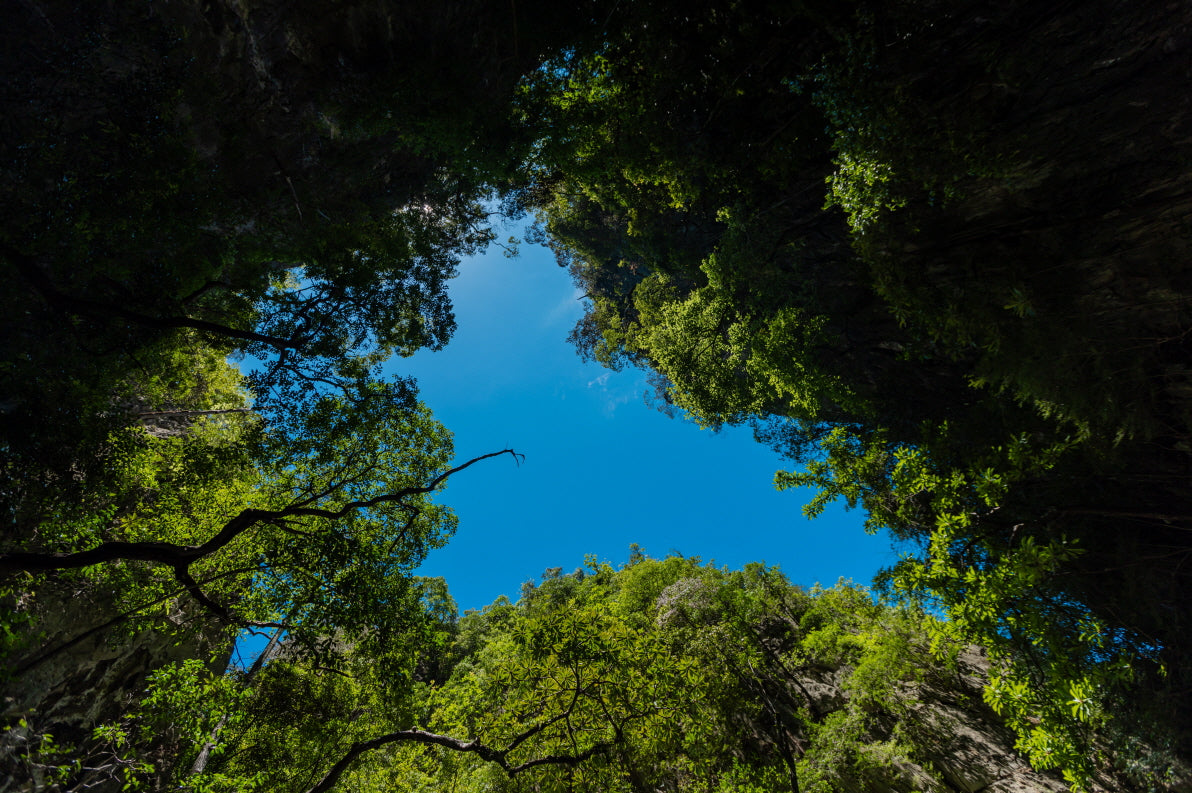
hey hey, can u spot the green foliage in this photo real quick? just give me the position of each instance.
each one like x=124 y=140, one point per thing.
x=847 y=229
x=164 y=214
x=1057 y=666
x=666 y=674
x=903 y=240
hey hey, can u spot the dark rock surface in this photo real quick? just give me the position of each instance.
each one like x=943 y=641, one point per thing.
x=82 y=673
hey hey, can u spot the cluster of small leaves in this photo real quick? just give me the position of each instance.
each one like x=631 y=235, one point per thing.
x=665 y=673
x=1056 y=666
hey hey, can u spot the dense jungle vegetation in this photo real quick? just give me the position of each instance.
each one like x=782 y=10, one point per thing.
x=935 y=253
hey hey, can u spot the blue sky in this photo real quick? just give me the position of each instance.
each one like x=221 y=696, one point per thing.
x=602 y=469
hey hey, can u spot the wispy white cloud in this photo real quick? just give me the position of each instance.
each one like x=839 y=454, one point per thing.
x=615 y=400
x=567 y=310
x=623 y=391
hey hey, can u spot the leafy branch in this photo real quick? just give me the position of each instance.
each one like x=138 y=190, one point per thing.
x=484 y=751
x=182 y=556
x=119 y=618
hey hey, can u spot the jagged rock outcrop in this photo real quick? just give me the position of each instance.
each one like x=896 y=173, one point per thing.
x=909 y=723
x=966 y=745
x=957 y=743
x=84 y=667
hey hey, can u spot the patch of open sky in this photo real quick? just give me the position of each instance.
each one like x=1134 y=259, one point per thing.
x=602 y=469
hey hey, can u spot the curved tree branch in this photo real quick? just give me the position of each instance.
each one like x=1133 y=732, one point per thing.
x=352 y=506
x=182 y=574
x=177 y=556
x=189 y=413
x=484 y=751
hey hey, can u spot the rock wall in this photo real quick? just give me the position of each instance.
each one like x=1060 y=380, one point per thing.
x=957 y=743
x=85 y=668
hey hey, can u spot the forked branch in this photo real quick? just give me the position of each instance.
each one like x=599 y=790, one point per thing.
x=485 y=752
x=182 y=556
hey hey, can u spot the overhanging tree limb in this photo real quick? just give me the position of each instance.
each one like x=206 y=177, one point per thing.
x=184 y=555
x=484 y=751
x=182 y=574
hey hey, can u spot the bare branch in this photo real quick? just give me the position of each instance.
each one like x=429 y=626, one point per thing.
x=185 y=413
x=417 y=736
x=558 y=759
x=204 y=289
x=353 y=506
x=159 y=552
x=184 y=577
x=484 y=751
x=1113 y=513
x=184 y=555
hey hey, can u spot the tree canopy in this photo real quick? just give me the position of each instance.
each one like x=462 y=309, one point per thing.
x=667 y=674
x=934 y=253
x=859 y=230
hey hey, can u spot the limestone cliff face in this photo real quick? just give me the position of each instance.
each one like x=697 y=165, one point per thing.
x=965 y=744
x=894 y=722
x=1084 y=190
x=82 y=672
x=958 y=744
